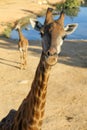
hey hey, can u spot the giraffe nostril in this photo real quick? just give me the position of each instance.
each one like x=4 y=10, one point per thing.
x=52 y=51
x=48 y=53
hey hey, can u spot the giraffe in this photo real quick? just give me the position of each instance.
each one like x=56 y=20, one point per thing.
x=23 y=47
x=62 y=30
x=30 y=113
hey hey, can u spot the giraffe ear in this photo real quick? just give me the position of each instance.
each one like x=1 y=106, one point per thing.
x=36 y=24
x=70 y=28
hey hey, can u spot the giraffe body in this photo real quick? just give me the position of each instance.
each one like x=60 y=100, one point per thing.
x=23 y=48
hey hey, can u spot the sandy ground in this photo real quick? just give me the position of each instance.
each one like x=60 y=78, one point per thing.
x=12 y=10
x=66 y=106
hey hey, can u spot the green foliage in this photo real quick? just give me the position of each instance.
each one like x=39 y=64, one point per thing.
x=71 y=7
x=72 y=12
x=24 y=21
x=7 y=31
x=72 y=3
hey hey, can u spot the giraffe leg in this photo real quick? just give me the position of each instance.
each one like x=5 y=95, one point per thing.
x=21 y=60
x=24 y=59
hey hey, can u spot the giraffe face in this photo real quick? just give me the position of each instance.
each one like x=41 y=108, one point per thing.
x=52 y=39
x=53 y=34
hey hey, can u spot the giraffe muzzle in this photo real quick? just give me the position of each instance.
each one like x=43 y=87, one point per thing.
x=51 y=58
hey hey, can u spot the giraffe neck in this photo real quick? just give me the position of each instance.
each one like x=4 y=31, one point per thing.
x=20 y=34
x=31 y=111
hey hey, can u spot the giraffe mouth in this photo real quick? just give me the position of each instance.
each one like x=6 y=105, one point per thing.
x=51 y=60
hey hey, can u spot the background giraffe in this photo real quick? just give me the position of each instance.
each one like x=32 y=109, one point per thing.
x=30 y=114
x=22 y=46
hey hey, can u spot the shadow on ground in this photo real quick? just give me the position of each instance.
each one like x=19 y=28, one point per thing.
x=74 y=53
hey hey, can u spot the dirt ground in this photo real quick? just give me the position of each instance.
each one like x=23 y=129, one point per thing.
x=12 y=10
x=66 y=106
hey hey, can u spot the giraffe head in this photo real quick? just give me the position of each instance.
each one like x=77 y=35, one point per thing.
x=17 y=26
x=53 y=34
